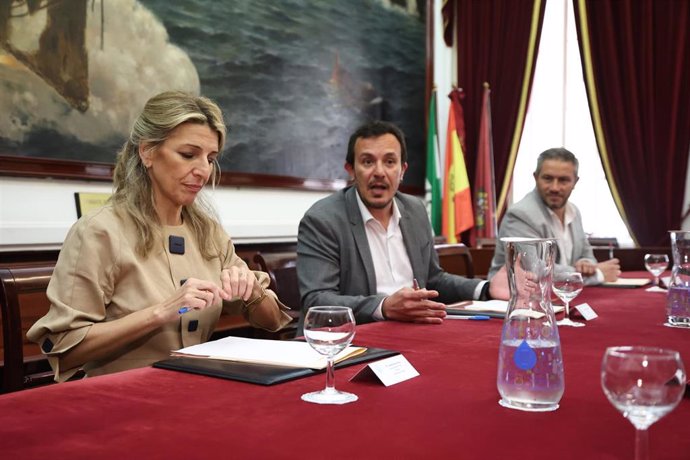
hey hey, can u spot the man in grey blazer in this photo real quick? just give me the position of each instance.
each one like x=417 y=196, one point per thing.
x=546 y=213
x=370 y=247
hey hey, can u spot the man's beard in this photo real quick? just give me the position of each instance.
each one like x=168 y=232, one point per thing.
x=555 y=206
x=369 y=204
x=560 y=204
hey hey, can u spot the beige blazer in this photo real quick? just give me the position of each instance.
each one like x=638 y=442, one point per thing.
x=99 y=277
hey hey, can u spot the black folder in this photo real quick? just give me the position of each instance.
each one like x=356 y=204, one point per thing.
x=462 y=312
x=259 y=373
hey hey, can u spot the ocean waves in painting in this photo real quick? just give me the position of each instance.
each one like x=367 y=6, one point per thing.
x=295 y=77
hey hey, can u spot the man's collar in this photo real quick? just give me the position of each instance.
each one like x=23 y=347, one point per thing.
x=366 y=214
x=569 y=215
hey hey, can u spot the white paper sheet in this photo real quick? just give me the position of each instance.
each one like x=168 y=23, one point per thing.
x=493 y=306
x=269 y=352
x=627 y=282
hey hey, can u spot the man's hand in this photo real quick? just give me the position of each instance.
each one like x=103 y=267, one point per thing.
x=611 y=269
x=498 y=286
x=586 y=267
x=412 y=305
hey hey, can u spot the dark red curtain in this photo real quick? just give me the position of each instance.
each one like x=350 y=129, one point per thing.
x=636 y=62
x=497 y=43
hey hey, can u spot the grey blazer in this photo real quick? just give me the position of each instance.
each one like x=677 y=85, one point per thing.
x=334 y=263
x=529 y=217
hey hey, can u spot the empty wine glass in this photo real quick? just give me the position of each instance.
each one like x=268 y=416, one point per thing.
x=567 y=286
x=329 y=330
x=644 y=384
x=656 y=264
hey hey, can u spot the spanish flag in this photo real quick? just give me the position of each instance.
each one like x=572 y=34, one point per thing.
x=457 y=198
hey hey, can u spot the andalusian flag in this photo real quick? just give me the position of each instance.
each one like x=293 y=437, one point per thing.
x=484 y=183
x=457 y=198
x=432 y=186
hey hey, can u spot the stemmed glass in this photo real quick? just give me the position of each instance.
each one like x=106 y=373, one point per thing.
x=656 y=264
x=329 y=330
x=644 y=384
x=567 y=286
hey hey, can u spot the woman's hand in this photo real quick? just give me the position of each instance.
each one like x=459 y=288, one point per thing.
x=237 y=281
x=108 y=337
x=193 y=294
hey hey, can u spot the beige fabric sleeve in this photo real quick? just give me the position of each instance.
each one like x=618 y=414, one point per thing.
x=79 y=290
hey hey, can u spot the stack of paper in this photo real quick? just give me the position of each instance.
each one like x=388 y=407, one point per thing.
x=268 y=352
x=627 y=282
x=489 y=306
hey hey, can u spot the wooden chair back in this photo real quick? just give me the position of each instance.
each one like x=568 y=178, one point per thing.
x=486 y=242
x=456 y=259
x=282 y=269
x=23 y=301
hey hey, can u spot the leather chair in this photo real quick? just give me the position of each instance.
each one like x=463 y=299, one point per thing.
x=22 y=301
x=456 y=259
x=282 y=270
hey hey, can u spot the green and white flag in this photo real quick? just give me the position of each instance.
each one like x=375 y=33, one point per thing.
x=432 y=185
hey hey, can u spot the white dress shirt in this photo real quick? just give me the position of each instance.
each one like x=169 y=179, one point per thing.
x=564 y=235
x=391 y=262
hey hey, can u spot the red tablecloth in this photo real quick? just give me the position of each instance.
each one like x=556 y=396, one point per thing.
x=450 y=411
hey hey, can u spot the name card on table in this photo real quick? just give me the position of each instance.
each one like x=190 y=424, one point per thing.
x=388 y=371
x=586 y=311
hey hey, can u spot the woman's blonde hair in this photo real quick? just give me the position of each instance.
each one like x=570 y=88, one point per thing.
x=133 y=193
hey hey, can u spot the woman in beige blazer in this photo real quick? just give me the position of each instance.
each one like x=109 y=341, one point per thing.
x=151 y=271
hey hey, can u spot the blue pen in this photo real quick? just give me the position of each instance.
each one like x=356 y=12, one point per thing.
x=470 y=318
x=183 y=310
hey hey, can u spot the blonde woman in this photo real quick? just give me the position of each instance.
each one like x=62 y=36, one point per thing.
x=151 y=271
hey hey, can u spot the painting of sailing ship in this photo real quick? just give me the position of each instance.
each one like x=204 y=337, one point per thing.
x=294 y=78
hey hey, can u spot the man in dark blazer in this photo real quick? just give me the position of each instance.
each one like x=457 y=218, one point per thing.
x=370 y=247
x=546 y=213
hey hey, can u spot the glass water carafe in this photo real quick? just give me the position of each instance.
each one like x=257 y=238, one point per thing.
x=678 y=300
x=530 y=363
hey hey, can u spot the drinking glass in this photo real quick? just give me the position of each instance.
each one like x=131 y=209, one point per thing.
x=329 y=330
x=567 y=286
x=678 y=296
x=656 y=264
x=644 y=384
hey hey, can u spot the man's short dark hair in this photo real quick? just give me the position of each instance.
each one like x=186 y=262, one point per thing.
x=375 y=129
x=559 y=154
